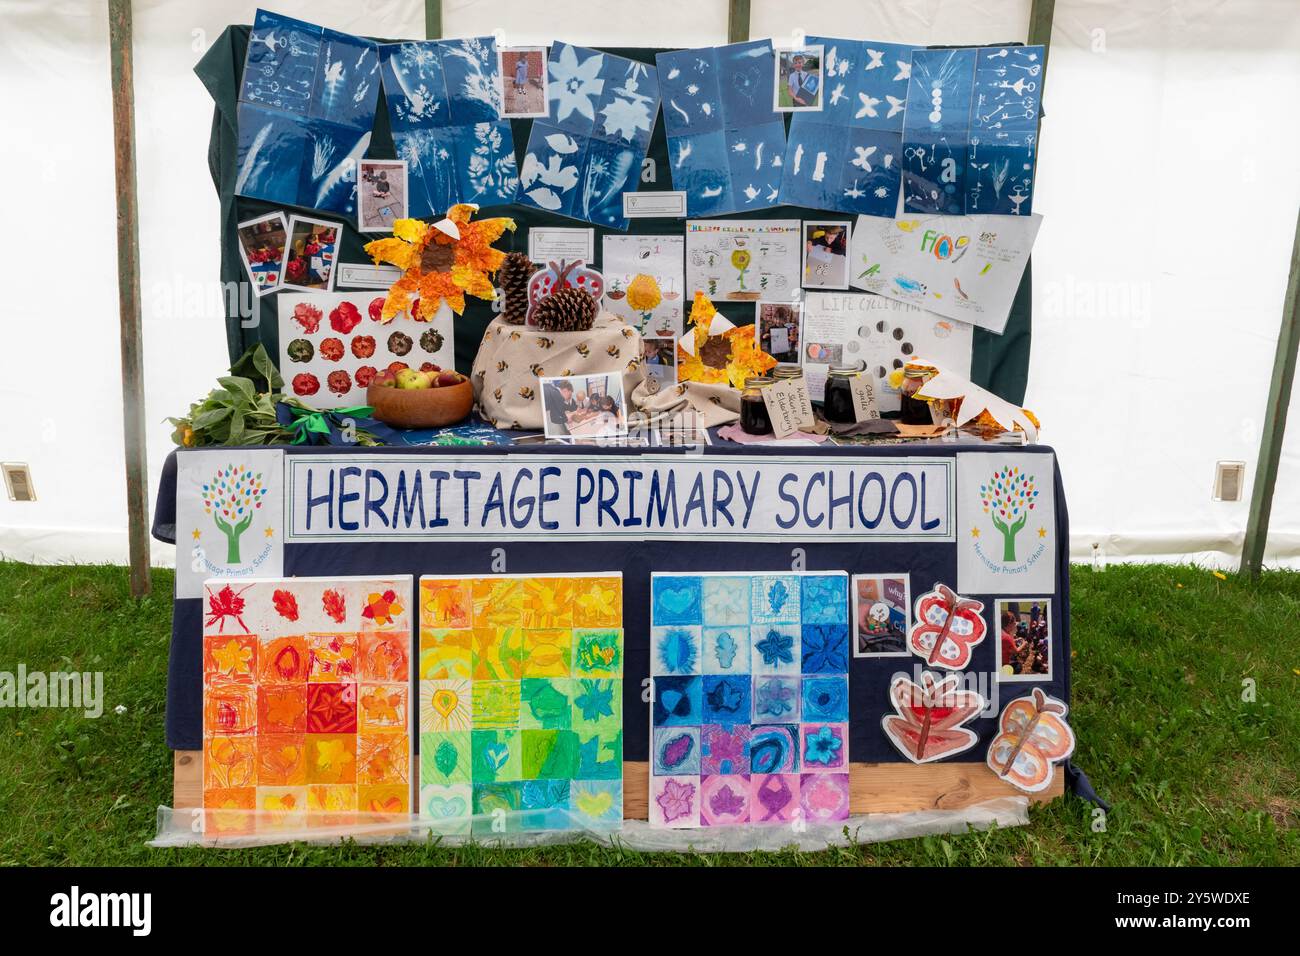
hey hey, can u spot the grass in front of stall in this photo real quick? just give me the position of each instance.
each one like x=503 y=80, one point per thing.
x=1198 y=770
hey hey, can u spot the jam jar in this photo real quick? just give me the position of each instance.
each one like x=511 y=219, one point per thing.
x=754 y=419
x=837 y=401
x=914 y=411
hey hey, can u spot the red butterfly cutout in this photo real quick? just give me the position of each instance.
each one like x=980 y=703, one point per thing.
x=928 y=724
x=1034 y=738
x=947 y=628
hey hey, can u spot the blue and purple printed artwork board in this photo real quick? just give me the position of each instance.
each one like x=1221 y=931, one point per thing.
x=444 y=108
x=306 y=109
x=588 y=150
x=895 y=519
x=848 y=157
x=726 y=141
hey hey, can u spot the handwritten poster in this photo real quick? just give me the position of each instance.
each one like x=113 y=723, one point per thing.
x=644 y=282
x=743 y=260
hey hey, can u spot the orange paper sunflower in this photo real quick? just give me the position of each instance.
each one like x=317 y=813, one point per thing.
x=441 y=261
x=727 y=358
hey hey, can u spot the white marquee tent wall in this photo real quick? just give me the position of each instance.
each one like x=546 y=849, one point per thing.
x=1168 y=179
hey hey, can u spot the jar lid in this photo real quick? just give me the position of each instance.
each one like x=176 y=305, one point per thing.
x=845 y=371
x=758 y=381
x=787 y=370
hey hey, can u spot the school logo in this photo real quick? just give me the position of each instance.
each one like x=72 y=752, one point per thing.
x=232 y=496
x=1007 y=523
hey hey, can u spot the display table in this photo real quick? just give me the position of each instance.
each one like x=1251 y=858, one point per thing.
x=917 y=510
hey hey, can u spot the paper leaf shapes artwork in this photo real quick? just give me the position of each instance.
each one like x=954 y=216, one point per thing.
x=849 y=156
x=306 y=108
x=971 y=130
x=750 y=707
x=726 y=142
x=948 y=627
x=588 y=150
x=444 y=105
x=927 y=723
x=718 y=352
x=521 y=702
x=306 y=703
x=1033 y=737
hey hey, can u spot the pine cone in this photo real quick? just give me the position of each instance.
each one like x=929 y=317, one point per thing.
x=569 y=310
x=513 y=276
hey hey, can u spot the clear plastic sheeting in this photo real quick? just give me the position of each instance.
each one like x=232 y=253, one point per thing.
x=184 y=827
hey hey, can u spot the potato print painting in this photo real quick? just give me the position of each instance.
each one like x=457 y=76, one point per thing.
x=798 y=80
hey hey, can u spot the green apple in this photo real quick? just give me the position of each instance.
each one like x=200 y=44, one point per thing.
x=409 y=378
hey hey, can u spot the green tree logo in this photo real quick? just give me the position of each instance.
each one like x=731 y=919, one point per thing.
x=231 y=497
x=1008 y=498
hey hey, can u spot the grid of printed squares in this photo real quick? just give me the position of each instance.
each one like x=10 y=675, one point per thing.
x=305 y=726
x=521 y=702
x=750 y=712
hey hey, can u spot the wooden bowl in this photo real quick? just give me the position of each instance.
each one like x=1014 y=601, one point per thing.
x=421 y=407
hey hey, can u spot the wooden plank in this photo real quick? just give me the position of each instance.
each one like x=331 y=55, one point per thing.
x=737 y=21
x=432 y=19
x=1279 y=400
x=873 y=787
x=128 y=293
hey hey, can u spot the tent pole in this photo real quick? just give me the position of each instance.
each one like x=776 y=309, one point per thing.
x=1041 y=13
x=1279 y=398
x=737 y=21
x=128 y=293
x=432 y=19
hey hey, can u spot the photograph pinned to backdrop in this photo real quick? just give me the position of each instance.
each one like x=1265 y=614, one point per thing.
x=381 y=194
x=1033 y=736
x=778 y=329
x=963 y=267
x=882 y=335
x=644 y=279
x=332 y=345
x=307 y=102
x=948 y=628
x=262 y=245
x=1024 y=639
x=583 y=406
x=311 y=255
x=588 y=149
x=743 y=260
x=521 y=702
x=826 y=254
x=798 y=79
x=659 y=359
x=725 y=139
x=927 y=723
x=523 y=72
x=445 y=109
x=848 y=157
x=306 y=704
x=882 y=614
x=750 y=698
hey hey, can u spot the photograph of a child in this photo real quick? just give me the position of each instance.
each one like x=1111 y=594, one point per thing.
x=798 y=80
x=312 y=253
x=882 y=614
x=778 y=329
x=584 y=406
x=381 y=194
x=659 y=355
x=826 y=255
x=262 y=244
x=1024 y=639
x=523 y=82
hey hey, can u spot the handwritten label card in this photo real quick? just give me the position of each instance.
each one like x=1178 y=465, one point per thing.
x=864 y=399
x=786 y=403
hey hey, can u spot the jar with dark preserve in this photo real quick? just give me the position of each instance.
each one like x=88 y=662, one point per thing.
x=912 y=410
x=787 y=371
x=754 y=419
x=837 y=400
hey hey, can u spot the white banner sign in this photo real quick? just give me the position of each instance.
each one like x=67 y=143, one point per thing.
x=355 y=497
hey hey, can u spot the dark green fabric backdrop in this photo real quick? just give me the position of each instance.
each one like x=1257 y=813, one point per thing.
x=1001 y=362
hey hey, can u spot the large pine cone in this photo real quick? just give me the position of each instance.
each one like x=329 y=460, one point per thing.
x=569 y=310
x=514 y=274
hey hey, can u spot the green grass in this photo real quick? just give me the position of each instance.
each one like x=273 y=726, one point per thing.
x=1195 y=775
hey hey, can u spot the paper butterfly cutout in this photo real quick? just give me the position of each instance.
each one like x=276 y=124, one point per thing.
x=564 y=274
x=1033 y=738
x=928 y=725
x=947 y=628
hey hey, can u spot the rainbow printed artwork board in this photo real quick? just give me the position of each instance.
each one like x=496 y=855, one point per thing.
x=521 y=702
x=306 y=703
x=749 y=715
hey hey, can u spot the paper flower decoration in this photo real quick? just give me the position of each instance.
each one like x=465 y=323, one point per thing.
x=440 y=262
x=975 y=407
x=643 y=293
x=723 y=357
